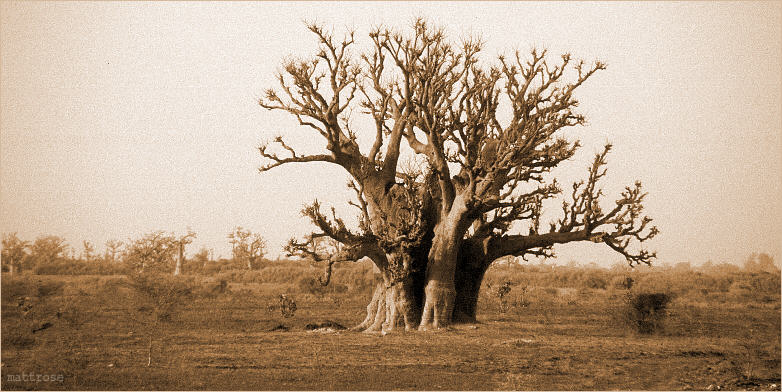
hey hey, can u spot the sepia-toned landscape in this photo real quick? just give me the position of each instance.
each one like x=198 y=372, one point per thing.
x=561 y=328
x=257 y=196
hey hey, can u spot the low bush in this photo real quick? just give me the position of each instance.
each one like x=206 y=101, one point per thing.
x=647 y=311
x=595 y=282
x=156 y=300
x=622 y=282
x=310 y=285
x=80 y=267
x=212 y=289
x=47 y=289
x=285 y=304
x=18 y=339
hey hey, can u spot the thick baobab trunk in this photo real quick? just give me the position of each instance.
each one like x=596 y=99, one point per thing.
x=441 y=285
x=401 y=306
x=394 y=304
x=440 y=290
x=468 y=285
x=471 y=267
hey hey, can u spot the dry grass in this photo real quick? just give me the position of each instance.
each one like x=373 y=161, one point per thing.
x=559 y=340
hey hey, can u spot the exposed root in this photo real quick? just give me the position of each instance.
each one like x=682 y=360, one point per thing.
x=399 y=308
x=374 y=309
x=438 y=306
x=390 y=307
x=380 y=316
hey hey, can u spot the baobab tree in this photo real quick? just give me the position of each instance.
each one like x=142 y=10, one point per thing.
x=14 y=252
x=487 y=134
x=179 y=243
x=246 y=246
x=157 y=249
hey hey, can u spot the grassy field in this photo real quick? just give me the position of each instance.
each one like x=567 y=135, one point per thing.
x=557 y=333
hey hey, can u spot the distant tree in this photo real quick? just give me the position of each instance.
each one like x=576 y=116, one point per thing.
x=154 y=250
x=180 y=243
x=112 y=250
x=682 y=266
x=14 y=252
x=88 y=254
x=201 y=257
x=246 y=246
x=47 y=249
x=760 y=262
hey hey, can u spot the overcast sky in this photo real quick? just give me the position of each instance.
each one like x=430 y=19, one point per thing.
x=122 y=118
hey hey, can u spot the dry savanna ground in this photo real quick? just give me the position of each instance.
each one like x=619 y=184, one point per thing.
x=554 y=330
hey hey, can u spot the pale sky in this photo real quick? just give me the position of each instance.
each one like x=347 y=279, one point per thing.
x=121 y=118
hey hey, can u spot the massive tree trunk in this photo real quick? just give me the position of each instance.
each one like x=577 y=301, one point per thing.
x=441 y=288
x=397 y=300
x=394 y=304
x=471 y=267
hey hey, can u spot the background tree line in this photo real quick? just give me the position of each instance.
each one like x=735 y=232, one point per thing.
x=159 y=251
x=156 y=251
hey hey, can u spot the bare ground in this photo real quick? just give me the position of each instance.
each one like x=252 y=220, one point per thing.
x=224 y=343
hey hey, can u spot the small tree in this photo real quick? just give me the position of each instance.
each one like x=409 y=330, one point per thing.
x=247 y=246
x=88 y=254
x=202 y=257
x=647 y=311
x=156 y=300
x=112 y=250
x=14 y=252
x=153 y=250
x=47 y=249
x=760 y=263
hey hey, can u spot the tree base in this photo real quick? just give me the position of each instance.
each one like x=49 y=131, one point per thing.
x=390 y=307
x=438 y=306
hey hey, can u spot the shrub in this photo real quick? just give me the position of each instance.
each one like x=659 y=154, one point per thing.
x=647 y=311
x=212 y=289
x=595 y=282
x=18 y=338
x=501 y=293
x=622 y=282
x=310 y=285
x=210 y=268
x=80 y=267
x=550 y=291
x=286 y=305
x=157 y=298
